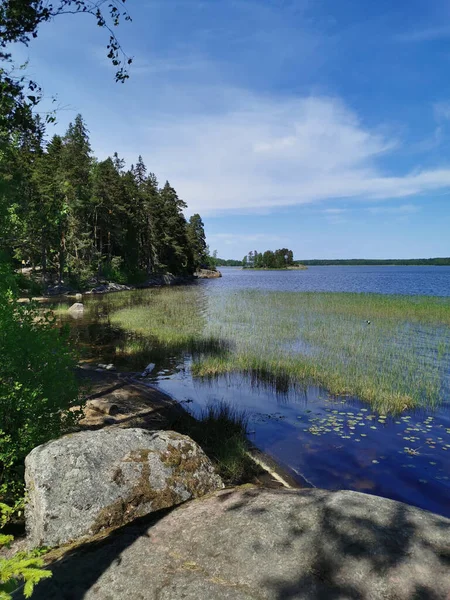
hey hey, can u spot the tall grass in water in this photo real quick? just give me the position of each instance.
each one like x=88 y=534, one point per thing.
x=396 y=361
x=221 y=430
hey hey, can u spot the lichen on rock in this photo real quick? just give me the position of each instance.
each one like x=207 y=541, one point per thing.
x=92 y=480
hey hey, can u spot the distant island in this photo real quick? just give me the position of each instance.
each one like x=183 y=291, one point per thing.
x=283 y=258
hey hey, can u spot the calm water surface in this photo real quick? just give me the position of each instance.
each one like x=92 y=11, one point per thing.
x=426 y=281
x=333 y=443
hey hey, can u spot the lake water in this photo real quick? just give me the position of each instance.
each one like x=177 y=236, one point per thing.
x=425 y=281
x=334 y=443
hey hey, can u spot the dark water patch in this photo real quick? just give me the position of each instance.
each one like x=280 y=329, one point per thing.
x=336 y=443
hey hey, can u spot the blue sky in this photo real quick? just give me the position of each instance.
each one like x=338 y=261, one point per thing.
x=319 y=125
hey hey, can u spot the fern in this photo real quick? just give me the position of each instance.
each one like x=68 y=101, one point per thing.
x=22 y=567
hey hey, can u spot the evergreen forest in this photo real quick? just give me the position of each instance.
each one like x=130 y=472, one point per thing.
x=75 y=218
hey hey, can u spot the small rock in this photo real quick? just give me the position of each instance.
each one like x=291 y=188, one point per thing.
x=103 y=367
x=148 y=369
x=76 y=308
x=207 y=274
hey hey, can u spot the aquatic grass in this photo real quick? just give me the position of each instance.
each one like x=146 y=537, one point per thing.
x=221 y=430
x=390 y=351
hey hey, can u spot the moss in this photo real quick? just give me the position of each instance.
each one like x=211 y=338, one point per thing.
x=128 y=508
x=185 y=463
x=118 y=476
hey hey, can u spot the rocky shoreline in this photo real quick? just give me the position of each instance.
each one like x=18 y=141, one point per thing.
x=107 y=287
x=136 y=510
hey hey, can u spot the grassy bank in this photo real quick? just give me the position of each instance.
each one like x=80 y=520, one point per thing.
x=396 y=361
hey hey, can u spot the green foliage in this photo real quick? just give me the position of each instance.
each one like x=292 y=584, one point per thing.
x=37 y=382
x=221 y=430
x=229 y=262
x=280 y=259
x=22 y=567
x=77 y=219
x=197 y=241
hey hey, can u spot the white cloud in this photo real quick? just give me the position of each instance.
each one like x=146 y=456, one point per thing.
x=442 y=110
x=334 y=211
x=424 y=35
x=256 y=153
x=403 y=209
x=231 y=239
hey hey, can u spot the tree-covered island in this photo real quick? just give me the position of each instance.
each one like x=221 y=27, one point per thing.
x=283 y=258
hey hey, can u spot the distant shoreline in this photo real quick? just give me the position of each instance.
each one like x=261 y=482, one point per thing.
x=413 y=262
x=359 y=262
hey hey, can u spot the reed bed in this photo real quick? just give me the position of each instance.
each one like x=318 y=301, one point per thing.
x=390 y=351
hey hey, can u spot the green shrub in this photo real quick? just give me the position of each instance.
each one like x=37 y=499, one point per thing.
x=37 y=383
x=113 y=270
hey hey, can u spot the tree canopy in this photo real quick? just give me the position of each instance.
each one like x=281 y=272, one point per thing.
x=78 y=217
x=280 y=259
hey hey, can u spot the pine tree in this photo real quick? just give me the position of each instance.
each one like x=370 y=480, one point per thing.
x=107 y=211
x=51 y=212
x=197 y=241
x=77 y=246
x=176 y=254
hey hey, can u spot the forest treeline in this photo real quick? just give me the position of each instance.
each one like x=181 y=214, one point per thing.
x=76 y=217
x=227 y=262
x=280 y=259
x=362 y=261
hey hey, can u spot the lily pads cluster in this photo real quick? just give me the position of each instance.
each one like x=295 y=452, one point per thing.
x=420 y=436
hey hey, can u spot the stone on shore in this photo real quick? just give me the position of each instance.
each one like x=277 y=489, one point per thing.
x=92 y=480
x=76 y=308
x=259 y=544
x=207 y=274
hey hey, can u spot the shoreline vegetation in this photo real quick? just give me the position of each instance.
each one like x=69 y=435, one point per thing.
x=287 y=268
x=357 y=262
x=389 y=351
x=360 y=262
x=83 y=220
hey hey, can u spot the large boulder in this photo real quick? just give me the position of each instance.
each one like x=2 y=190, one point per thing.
x=256 y=544
x=91 y=480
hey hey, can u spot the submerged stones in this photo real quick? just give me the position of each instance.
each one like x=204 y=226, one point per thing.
x=92 y=480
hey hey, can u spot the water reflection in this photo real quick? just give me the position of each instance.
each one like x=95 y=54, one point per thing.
x=333 y=443
x=336 y=443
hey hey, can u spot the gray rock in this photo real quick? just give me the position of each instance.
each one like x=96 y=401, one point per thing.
x=207 y=274
x=106 y=288
x=76 y=308
x=267 y=545
x=91 y=480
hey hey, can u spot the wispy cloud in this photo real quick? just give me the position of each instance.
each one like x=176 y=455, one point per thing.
x=442 y=110
x=424 y=35
x=260 y=153
x=403 y=209
x=334 y=211
x=232 y=239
